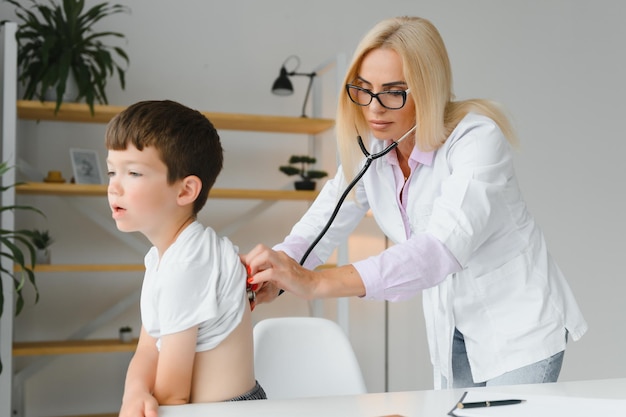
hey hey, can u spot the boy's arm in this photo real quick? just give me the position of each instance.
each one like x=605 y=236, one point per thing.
x=175 y=367
x=138 y=400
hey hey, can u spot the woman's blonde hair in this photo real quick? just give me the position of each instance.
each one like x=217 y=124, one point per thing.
x=426 y=68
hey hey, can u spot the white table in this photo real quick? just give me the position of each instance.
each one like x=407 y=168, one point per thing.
x=408 y=404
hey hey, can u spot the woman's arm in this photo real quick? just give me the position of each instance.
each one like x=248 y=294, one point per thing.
x=405 y=269
x=278 y=269
x=307 y=229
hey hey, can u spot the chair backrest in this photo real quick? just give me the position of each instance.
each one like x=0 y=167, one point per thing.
x=296 y=357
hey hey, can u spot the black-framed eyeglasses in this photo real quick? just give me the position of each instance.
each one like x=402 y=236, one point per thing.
x=392 y=100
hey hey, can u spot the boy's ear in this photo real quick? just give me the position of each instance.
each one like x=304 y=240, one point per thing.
x=190 y=189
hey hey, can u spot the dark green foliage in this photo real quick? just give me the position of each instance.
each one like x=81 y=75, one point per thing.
x=41 y=238
x=57 y=40
x=12 y=244
x=303 y=171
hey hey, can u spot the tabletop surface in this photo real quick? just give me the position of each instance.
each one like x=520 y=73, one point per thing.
x=410 y=403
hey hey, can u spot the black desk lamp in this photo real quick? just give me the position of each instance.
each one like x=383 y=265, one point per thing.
x=283 y=87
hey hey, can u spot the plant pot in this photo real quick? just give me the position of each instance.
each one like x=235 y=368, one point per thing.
x=42 y=256
x=307 y=185
x=126 y=336
x=70 y=94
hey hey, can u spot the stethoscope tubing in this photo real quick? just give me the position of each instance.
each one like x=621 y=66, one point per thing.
x=368 y=161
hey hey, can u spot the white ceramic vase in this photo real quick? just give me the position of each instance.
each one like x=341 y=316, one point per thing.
x=71 y=91
x=42 y=256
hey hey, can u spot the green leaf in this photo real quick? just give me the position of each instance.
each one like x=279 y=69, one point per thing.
x=14 y=245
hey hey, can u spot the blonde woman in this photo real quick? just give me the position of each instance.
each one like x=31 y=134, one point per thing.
x=498 y=309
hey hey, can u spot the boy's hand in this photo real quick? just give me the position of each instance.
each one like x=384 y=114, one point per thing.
x=141 y=405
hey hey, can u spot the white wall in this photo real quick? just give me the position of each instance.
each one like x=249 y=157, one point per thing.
x=557 y=66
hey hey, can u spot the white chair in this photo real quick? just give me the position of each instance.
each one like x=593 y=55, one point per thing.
x=296 y=357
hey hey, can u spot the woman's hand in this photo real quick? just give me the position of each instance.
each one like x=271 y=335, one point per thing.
x=270 y=271
x=264 y=292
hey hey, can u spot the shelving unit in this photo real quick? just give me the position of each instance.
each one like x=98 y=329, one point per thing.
x=74 y=112
x=90 y=190
x=11 y=395
x=70 y=112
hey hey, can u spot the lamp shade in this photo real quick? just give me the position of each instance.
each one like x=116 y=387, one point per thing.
x=282 y=86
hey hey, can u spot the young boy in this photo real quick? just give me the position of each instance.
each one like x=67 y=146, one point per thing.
x=196 y=337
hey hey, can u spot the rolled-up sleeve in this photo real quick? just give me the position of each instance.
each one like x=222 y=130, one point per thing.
x=404 y=270
x=295 y=247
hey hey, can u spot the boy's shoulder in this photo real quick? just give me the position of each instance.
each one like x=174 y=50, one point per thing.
x=198 y=257
x=201 y=247
x=197 y=237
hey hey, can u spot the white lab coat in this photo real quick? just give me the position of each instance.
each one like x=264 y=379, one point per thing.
x=510 y=301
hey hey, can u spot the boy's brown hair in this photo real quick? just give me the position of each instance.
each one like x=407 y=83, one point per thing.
x=185 y=139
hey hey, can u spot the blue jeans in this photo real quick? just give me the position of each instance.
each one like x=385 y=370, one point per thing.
x=546 y=370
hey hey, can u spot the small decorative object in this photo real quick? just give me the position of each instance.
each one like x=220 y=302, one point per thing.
x=57 y=42
x=54 y=177
x=42 y=241
x=126 y=334
x=86 y=166
x=307 y=175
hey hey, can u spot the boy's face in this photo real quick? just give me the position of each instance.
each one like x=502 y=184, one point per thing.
x=140 y=198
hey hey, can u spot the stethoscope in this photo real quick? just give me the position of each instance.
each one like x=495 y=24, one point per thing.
x=369 y=158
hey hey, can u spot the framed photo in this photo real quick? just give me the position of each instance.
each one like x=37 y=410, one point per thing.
x=86 y=166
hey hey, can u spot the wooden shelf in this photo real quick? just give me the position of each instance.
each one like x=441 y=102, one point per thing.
x=79 y=112
x=263 y=194
x=62 y=189
x=94 y=415
x=64 y=347
x=86 y=268
x=114 y=414
x=106 y=267
x=91 y=190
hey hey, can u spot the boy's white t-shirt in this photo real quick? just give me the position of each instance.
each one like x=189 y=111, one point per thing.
x=200 y=280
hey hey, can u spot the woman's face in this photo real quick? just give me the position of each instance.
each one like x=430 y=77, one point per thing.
x=381 y=70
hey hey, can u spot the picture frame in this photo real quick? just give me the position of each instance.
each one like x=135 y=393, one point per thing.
x=86 y=166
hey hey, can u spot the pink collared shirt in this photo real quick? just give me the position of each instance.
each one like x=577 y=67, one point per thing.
x=393 y=274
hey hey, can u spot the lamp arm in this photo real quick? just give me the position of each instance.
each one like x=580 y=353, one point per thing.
x=308 y=90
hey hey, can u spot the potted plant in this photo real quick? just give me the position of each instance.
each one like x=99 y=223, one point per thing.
x=57 y=43
x=306 y=175
x=42 y=241
x=14 y=244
